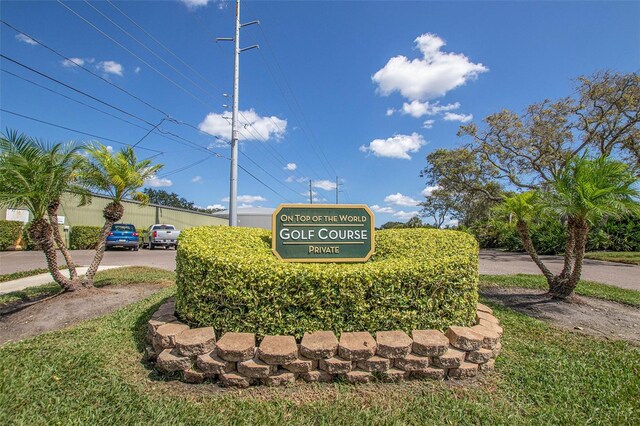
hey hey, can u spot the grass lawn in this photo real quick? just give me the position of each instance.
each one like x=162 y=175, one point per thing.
x=631 y=257
x=93 y=374
x=126 y=275
x=584 y=288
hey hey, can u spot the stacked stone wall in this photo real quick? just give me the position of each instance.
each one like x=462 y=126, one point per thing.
x=237 y=360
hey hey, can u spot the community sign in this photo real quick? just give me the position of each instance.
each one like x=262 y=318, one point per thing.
x=323 y=233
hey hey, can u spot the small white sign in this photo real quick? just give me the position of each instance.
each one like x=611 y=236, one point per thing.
x=60 y=220
x=18 y=215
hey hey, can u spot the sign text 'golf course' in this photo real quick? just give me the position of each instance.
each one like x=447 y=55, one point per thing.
x=323 y=233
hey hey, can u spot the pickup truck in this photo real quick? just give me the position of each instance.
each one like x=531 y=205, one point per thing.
x=161 y=235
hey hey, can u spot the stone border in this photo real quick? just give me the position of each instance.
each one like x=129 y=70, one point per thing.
x=356 y=358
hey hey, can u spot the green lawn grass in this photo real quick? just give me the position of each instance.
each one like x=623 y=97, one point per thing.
x=584 y=288
x=128 y=275
x=93 y=374
x=631 y=257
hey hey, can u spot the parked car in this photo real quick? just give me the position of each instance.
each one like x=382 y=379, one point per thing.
x=123 y=235
x=161 y=235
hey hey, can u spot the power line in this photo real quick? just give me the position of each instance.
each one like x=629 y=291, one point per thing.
x=145 y=62
x=260 y=136
x=75 y=130
x=85 y=68
x=169 y=118
x=264 y=36
x=131 y=53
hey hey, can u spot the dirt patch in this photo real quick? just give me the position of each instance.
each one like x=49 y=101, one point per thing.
x=70 y=308
x=591 y=316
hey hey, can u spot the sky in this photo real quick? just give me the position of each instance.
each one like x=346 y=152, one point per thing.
x=357 y=93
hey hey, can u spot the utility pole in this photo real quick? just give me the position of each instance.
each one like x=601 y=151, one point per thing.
x=310 y=192
x=233 y=180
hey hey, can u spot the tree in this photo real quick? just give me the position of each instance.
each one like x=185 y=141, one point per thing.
x=119 y=176
x=414 y=222
x=464 y=189
x=34 y=174
x=164 y=198
x=582 y=194
x=531 y=151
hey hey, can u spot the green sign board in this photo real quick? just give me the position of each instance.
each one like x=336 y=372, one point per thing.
x=323 y=233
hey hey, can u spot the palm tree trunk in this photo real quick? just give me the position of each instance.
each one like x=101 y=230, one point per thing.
x=523 y=231
x=569 y=249
x=112 y=213
x=41 y=233
x=52 y=211
x=563 y=288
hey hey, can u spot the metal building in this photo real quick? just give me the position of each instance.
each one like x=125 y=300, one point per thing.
x=250 y=217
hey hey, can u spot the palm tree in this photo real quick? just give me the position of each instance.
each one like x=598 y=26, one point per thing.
x=34 y=174
x=583 y=193
x=118 y=175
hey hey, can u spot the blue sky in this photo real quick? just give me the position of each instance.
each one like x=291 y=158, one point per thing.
x=359 y=90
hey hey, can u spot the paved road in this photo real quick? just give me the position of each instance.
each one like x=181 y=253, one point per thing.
x=14 y=261
x=491 y=262
x=503 y=263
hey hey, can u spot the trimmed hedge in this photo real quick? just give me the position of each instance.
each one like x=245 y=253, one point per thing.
x=84 y=237
x=228 y=278
x=10 y=232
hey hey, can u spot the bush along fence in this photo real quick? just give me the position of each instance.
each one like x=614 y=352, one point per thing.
x=11 y=235
x=357 y=357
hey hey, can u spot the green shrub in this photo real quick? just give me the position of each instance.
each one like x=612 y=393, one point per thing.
x=84 y=237
x=549 y=235
x=10 y=231
x=228 y=278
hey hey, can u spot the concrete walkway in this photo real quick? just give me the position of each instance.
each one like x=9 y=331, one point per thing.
x=36 y=280
x=493 y=262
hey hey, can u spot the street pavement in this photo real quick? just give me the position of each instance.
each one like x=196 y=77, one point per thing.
x=492 y=262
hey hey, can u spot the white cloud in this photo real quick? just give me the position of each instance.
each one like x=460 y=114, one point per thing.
x=400 y=200
x=405 y=215
x=255 y=126
x=390 y=111
x=195 y=4
x=291 y=167
x=417 y=109
x=109 y=148
x=398 y=146
x=137 y=70
x=217 y=207
x=463 y=118
x=157 y=182
x=378 y=209
x=428 y=124
x=327 y=185
x=26 y=39
x=72 y=62
x=428 y=77
x=427 y=191
x=296 y=179
x=247 y=198
x=452 y=223
x=196 y=179
x=110 y=67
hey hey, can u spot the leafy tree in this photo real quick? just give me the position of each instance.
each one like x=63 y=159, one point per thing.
x=465 y=189
x=34 y=174
x=582 y=194
x=531 y=151
x=119 y=176
x=393 y=225
x=164 y=198
x=414 y=222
